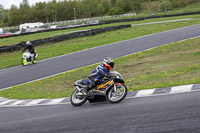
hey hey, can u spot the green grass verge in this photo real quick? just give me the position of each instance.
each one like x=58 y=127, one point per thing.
x=153 y=7
x=166 y=66
x=149 y=8
x=78 y=44
x=16 y=40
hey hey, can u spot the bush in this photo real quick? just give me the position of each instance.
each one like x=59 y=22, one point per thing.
x=116 y=11
x=165 y=5
x=189 y=2
x=178 y=3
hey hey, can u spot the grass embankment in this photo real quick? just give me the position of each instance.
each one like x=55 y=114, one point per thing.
x=152 y=7
x=78 y=44
x=169 y=65
x=16 y=40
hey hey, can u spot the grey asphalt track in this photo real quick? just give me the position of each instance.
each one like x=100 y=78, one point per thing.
x=18 y=75
x=177 y=113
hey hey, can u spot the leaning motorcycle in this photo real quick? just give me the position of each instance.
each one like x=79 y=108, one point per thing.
x=112 y=89
x=28 y=58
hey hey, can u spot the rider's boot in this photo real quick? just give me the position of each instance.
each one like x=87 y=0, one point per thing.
x=87 y=88
x=34 y=57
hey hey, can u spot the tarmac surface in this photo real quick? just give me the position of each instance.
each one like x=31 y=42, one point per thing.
x=172 y=113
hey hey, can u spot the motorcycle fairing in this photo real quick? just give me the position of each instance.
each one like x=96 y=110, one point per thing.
x=105 y=85
x=101 y=89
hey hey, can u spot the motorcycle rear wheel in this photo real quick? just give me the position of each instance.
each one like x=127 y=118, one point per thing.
x=118 y=96
x=76 y=99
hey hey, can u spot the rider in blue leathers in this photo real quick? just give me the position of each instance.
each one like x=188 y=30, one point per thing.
x=100 y=71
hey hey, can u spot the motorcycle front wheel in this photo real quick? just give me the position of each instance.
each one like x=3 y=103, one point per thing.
x=118 y=95
x=77 y=99
x=24 y=62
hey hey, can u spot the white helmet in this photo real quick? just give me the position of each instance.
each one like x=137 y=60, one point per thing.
x=109 y=63
x=28 y=43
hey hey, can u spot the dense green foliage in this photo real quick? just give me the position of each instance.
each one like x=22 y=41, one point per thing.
x=68 y=10
x=165 y=5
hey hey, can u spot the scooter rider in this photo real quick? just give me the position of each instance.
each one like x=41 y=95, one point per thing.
x=100 y=71
x=30 y=48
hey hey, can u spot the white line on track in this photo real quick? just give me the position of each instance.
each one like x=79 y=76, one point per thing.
x=142 y=93
x=179 y=89
x=35 y=102
x=7 y=101
x=60 y=99
x=54 y=101
x=168 y=21
x=17 y=102
x=164 y=94
x=33 y=105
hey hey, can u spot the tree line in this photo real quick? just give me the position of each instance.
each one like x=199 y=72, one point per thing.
x=74 y=9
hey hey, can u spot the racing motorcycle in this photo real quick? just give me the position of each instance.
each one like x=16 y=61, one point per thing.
x=28 y=58
x=111 y=89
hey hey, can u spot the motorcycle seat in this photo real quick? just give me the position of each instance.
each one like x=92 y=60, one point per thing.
x=80 y=82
